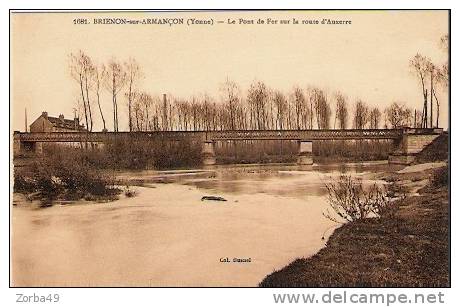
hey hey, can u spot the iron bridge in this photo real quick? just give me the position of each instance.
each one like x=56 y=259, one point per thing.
x=224 y=135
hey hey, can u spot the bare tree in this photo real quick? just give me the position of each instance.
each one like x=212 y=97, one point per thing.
x=444 y=69
x=431 y=70
x=257 y=99
x=208 y=112
x=137 y=111
x=314 y=93
x=374 y=118
x=133 y=73
x=398 y=115
x=438 y=79
x=361 y=116
x=81 y=70
x=322 y=109
x=418 y=119
x=299 y=105
x=230 y=92
x=146 y=102
x=418 y=65
x=98 y=74
x=441 y=76
x=444 y=42
x=280 y=104
x=341 y=111
x=114 y=81
x=424 y=68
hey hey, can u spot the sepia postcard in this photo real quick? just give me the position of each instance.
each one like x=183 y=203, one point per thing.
x=242 y=148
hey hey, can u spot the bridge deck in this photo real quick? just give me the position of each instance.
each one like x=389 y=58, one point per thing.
x=349 y=134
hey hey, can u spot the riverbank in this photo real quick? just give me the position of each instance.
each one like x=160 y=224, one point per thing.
x=408 y=250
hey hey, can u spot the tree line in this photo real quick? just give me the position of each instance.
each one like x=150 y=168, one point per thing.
x=259 y=108
x=431 y=77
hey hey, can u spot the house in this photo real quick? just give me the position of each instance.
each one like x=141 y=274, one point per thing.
x=45 y=123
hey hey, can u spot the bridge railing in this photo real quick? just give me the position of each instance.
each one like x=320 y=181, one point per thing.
x=347 y=134
x=308 y=134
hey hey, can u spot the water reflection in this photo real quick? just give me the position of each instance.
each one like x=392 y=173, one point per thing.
x=291 y=180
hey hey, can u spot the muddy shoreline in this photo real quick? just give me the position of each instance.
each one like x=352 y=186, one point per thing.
x=409 y=250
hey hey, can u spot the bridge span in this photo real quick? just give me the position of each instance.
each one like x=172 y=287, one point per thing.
x=408 y=141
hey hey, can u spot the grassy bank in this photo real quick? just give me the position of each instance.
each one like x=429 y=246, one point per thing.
x=410 y=249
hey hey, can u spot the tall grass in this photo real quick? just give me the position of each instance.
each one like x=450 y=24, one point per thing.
x=157 y=153
x=361 y=150
x=263 y=151
x=256 y=151
x=134 y=154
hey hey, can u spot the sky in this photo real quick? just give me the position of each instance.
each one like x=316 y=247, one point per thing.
x=367 y=59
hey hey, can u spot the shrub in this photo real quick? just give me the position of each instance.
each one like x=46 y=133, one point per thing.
x=65 y=176
x=396 y=189
x=23 y=184
x=47 y=184
x=350 y=201
x=440 y=177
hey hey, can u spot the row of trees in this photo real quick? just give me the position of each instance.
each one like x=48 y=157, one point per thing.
x=112 y=77
x=261 y=108
x=432 y=77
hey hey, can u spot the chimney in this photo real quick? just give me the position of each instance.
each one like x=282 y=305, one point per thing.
x=76 y=121
x=61 y=117
x=45 y=115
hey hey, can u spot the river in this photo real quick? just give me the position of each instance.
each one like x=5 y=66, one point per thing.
x=167 y=236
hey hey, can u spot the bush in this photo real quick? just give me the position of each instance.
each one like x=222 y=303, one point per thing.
x=440 y=177
x=64 y=176
x=23 y=184
x=47 y=184
x=350 y=201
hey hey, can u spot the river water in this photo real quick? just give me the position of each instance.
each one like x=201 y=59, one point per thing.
x=167 y=236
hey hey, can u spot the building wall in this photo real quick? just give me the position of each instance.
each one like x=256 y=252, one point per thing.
x=41 y=125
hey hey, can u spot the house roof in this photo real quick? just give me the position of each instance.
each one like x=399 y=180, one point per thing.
x=64 y=123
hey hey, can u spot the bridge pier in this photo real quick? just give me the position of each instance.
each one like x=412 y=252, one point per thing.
x=38 y=148
x=23 y=148
x=411 y=143
x=305 y=156
x=208 y=154
x=17 y=147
